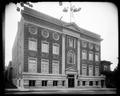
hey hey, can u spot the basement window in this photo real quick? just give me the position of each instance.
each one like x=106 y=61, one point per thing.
x=31 y=82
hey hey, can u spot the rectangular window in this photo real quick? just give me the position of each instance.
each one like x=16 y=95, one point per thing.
x=84 y=69
x=97 y=47
x=105 y=67
x=91 y=70
x=84 y=54
x=55 y=67
x=75 y=42
x=32 y=44
x=96 y=70
x=63 y=83
x=70 y=40
x=78 y=83
x=45 y=47
x=96 y=57
x=84 y=44
x=90 y=45
x=83 y=83
x=44 y=66
x=55 y=83
x=32 y=65
x=44 y=83
x=96 y=83
x=55 y=48
x=91 y=83
x=91 y=56
x=31 y=82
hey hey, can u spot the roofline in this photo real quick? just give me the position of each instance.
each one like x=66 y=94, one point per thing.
x=58 y=22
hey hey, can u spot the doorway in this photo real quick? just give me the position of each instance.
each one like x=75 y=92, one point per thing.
x=71 y=81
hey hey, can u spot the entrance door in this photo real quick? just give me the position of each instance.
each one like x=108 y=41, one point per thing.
x=70 y=81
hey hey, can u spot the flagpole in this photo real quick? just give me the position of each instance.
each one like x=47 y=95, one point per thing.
x=70 y=12
x=71 y=9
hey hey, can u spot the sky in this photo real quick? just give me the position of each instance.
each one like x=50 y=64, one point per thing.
x=98 y=17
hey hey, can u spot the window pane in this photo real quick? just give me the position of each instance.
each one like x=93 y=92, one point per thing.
x=90 y=46
x=71 y=57
x=33 y=44
x=56 y=49
x=32 y=65
x=70 y=42
x=97 y=47
x=84 y=54
x=90 y=56
x=55 y=67
x=44 y=66
x=45 y=47
x=96 y=57
x=84 y=69
x=84 y=44
x=90 y=70
x=96 y=70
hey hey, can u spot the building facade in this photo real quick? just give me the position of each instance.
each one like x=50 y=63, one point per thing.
x=50 y=53
x=105 y=66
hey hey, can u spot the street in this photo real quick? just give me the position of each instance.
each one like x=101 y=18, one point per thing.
x=62 y=91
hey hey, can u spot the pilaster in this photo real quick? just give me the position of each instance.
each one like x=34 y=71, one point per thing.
x=78 y=56
x=63 y=54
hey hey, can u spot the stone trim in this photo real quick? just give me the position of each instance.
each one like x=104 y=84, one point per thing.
x=76 y=35
x=45 y=27
x=90 y=41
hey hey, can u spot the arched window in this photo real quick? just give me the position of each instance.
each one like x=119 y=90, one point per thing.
x=71 y=57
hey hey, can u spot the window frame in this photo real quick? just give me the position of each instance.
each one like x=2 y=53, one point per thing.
x=55 y=63
x=44 y=65
x=84 y=69
x=84 y=54
x=105 y=67
x=90 y=67
x=55 y=83
x=84 y=44
x=97 y=71
x=63 y=83
x=97 y=47
x=47 y=43
x=70 y=42
x=97 y=54
x=44 y=82
x=91 y=56
x=32 y=83
x=29 y=46
x=57 y=46
x=29 y=64
x=73 y=57
x=91 y=46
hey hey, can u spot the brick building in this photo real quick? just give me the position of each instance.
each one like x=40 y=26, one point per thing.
x=48 y=53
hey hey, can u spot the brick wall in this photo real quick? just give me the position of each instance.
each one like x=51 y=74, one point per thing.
x=39 y=37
